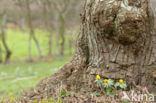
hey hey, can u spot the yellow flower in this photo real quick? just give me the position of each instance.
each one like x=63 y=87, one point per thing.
x=121 y=81
x=98 y=77
x=12 y=99
x=9 y=92
x=105 y=80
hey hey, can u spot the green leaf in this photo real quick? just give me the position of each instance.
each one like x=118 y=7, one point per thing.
x=97 y=93
x=105 y=85
x=127 y=101
x=117 y=85
x=108 y=89
x=108 y=93
x=113 y=93
x=150 y=95
x=110 y=82
x=63 y=93
x=123 y=86
x=99 y=82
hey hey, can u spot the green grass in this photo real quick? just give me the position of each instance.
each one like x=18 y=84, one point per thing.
x=18 y=43
x=20 y=75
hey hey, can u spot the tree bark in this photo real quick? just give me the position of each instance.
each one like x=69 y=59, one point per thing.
x=116 y=40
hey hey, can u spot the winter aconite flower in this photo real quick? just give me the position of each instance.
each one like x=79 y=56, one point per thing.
x=121 y=81
x=12 y=99
x=105 y=80
x=98 y=77
x=9 y=92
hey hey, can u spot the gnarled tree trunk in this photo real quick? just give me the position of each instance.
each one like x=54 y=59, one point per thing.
x=116 y=40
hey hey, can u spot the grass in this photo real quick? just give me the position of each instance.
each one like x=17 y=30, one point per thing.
x=18 y=43
x=20 y=75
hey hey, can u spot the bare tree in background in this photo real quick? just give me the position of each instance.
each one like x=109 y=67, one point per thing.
x=62 y=7
x=21 y=14
x=3 y=38
x=48 y=21
x=32 y=33
x=71 y=42
x=1 y=59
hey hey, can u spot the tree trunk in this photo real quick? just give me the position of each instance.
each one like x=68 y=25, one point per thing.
x=3 y=37
x=47 y=23
x=116 y=41
x=62 y=33
x=1 y=59
x=70 y=46
x=22 y=21
x=50 y=44
x=57 y=44
x=32 y=33
x=8 y=51
x=30 y=49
